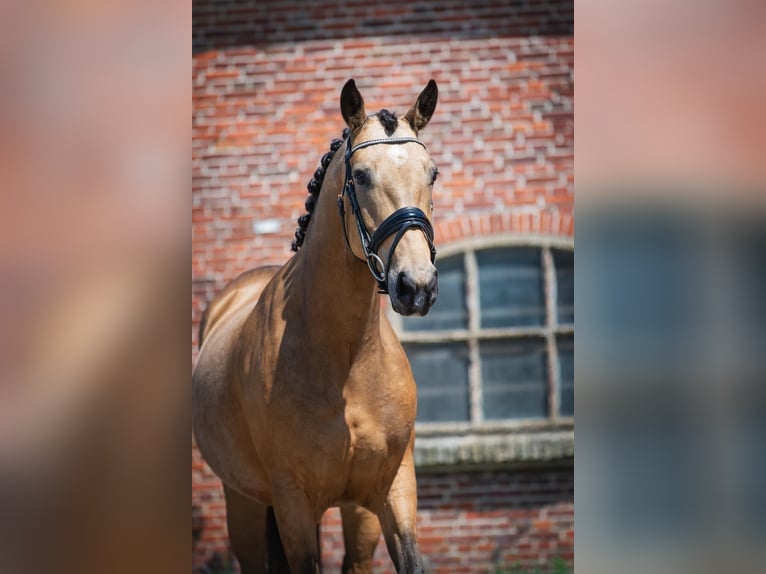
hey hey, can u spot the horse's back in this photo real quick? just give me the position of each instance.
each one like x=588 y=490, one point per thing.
x=239 y=296
x=220 y=427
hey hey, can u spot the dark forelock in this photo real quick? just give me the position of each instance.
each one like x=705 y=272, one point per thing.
x=388 y=120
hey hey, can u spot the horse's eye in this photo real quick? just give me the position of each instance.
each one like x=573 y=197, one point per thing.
x=361 y=177
x=434 y=175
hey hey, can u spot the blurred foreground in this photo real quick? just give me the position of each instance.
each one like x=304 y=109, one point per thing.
x=94 y=269
x=670 y=472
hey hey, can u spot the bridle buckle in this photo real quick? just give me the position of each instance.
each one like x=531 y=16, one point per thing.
x=377 y=267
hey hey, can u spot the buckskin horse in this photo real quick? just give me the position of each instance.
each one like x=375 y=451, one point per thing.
x=303 y=398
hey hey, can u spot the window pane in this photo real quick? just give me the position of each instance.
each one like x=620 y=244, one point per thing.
x=566 y=375
x=511 y=287
x=441 y=373
x=514 y=381
x=564 y=264
x=449 y=311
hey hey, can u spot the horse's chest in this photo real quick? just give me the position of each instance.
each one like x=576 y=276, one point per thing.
x=347 y=445
x=373 y=455
x=369 y=443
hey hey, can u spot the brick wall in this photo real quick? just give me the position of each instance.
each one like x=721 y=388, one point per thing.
x=467 y=521
x=480 y=521
x=266 y=80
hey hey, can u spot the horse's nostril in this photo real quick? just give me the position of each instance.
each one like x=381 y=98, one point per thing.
x=405 y=287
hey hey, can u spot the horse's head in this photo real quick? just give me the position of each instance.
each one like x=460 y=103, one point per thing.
x=389 y=182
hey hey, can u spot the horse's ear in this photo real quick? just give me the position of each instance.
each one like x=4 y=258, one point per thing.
x=420 y=114
x=352 y=105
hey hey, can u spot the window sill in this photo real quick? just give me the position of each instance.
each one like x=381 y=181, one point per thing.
x=493 y=445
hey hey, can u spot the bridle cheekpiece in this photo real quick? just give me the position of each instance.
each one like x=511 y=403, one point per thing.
x=399 y=222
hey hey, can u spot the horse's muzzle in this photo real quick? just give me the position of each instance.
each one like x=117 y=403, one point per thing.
x=413 y=295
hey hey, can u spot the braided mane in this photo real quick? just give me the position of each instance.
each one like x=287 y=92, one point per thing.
x=315 y=186
x=389 y=122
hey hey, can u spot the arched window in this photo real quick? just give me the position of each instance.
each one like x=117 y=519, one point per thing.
x=497 y=348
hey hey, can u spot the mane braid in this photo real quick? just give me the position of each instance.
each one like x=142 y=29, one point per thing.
x=388 y=120
x=314 y=187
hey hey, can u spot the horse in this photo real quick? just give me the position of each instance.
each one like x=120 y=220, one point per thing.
x=303 y=397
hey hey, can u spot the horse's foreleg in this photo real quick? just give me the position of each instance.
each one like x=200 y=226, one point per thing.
x=361 y=532
x=297 y=520
x=399 y=519
x=246 y=521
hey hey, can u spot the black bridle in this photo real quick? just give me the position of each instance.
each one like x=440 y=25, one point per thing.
x=399 y=222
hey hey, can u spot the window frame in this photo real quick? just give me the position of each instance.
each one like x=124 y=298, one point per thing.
x=474 y=334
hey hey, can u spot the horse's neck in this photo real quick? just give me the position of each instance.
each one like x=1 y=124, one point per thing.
x=337 y=291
